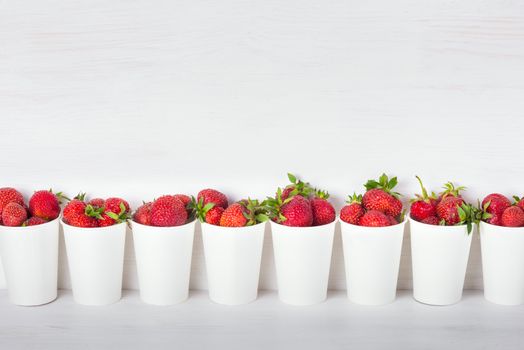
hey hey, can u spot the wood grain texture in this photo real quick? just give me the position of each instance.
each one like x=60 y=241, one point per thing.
x=200 y=324
x=142 y=98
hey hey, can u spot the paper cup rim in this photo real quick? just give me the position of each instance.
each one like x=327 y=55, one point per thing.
x=166 y=228
x=305 y=228
x=26 y=228
x=226 y=228
x=502 y=228
x=98 y=228
x=444 y=227
x=390 y=227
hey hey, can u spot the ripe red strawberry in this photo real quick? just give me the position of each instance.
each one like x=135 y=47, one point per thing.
x=115 y=210
x=168 y=211
x=374 y=218
x=105 y=220
x=495 y=204
x=143 y=214
x=431 y=220
x=45 y=205
x=184 y=198
x=212 y=196
x=380 y=196
x=81 y=220
x=495 y=220
x=395 y=207
x=297 y=212
x=323 y=211
x=423 y=206
x=513 y=217
x=213 y=216
x=8 y=195
x=447 y=209
x=73 y=208
x=114 y=205
x=519 y=202
x=97 y=202
x=234 y=216
x=392 y=220
x=14 y=214
x=376 y=199
x=34 y=221
x=352 y=212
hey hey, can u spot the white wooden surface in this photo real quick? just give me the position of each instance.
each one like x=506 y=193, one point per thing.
x=143 y=98
x=265 y=324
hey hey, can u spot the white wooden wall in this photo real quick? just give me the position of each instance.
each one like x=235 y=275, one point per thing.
x=140 y=98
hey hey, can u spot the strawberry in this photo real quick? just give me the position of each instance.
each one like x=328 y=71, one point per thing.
x=168 y=211
x=495 y=204
x=183 y=198
x=374 y=218
x=352 y=212
x=513 y=217
x=45 y=205
x=323 y=211
x=73 y=208
x=115 y=210
x=297 y=212
x=494 y=220
x=14 y=214
x=234 y=216
x=213 y=215
x=519 y=202
x=392 y=220
x=8 y=195
x=379 y=196
x=81 y=220
x=431 y=220
x=34 y=221
x=212 y=196
x=143 y=214
x=97 y=202
x=423 y=206
x=447 y=209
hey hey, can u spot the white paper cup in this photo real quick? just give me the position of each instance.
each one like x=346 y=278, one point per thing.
x=233 y=256
x=302 y=261
x=96 y=259
x=30 y=258
x=440 y=257
x=372 y=260
x=163 y=258
x=502 y=263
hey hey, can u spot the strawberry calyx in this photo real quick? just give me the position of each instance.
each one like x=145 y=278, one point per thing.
x=80 y=196
x=451 y=190
x=321 y=194
x=199 y=210
x=273 y=206
x=424 y=197
x=468 y=215
x=94 y=212
x=354 y=199
x=482 y=211
x=383 y=183
x=299 y=187
x=121 y=216
x=254 y=211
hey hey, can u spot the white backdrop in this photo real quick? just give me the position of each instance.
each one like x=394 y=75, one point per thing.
x=141 y=98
